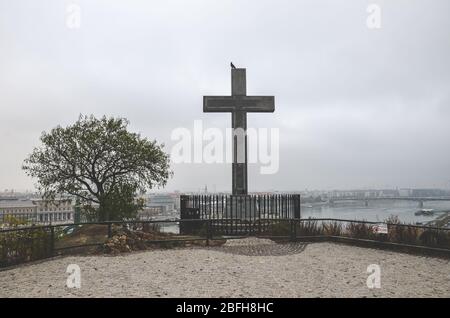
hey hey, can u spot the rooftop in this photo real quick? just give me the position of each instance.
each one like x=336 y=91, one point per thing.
x=17 y=204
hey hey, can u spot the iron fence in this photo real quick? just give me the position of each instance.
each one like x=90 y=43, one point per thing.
x=364 y=231
x=237 y=214
x=27 y=244
x=241 y=207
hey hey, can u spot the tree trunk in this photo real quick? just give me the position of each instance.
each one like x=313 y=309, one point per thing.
x=103 y=211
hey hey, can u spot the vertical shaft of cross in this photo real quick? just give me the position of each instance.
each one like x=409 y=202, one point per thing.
x=239 y=125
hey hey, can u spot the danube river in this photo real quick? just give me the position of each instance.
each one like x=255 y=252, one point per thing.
x=377 y=210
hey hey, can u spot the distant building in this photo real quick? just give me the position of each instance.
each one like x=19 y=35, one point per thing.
x=405 y=192
x=389 y=193
x=57 y=211
x=17 y=207
x=176 y=198
x=164 y=203
x=38 y=211
x=429 y=193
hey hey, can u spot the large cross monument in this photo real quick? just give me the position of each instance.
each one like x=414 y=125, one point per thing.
x=239 y=104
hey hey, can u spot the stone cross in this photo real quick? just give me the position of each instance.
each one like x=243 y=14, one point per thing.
x=239 y=104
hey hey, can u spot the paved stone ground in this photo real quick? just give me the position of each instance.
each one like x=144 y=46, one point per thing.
x=241 y=268
x=259 y=247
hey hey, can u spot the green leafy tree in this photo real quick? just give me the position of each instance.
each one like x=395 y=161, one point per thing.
x=101 y=163
x=120 y=202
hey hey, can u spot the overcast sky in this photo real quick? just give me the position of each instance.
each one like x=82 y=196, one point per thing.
x=356 y=107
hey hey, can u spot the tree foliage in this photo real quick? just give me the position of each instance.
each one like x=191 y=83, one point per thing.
x=100 y=162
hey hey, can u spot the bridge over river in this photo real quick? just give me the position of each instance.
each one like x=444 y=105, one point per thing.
x=366 y=200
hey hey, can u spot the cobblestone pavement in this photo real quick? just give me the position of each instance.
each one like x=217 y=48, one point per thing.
x=259 y=247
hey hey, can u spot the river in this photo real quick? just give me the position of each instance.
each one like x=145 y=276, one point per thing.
x=377 y=210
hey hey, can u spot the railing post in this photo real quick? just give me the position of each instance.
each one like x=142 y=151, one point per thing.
x=77 y=212
x=52 y=240
x=183 y=205
x=208 y=231
x=297 y=213
x=109 y=230
x=291 y=231
x=294 y=227
x=183 y=211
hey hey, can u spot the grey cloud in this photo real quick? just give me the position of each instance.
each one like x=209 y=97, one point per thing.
x=355 y=107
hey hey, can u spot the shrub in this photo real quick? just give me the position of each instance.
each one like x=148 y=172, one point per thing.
x=333 y=228
x=435 y=238
x=10 y=221
x=403 y=234
x=399 y=232
x=360 y=230
x=280 y=228
x=151 y=227
x=24 y=245
x=310 y=228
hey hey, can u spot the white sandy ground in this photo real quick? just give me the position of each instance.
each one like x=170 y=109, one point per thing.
x=233 y=270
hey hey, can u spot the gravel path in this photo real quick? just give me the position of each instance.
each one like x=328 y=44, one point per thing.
x=241 y=268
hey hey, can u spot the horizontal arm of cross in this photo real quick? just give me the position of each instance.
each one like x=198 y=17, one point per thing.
x=226 y=104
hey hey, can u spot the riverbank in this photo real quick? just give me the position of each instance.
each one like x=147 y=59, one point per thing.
x=442 y=220
x=240 y=268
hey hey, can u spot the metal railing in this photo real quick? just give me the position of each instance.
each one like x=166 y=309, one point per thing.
x=20 y=245
x=397 y=234
x=240 y=207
